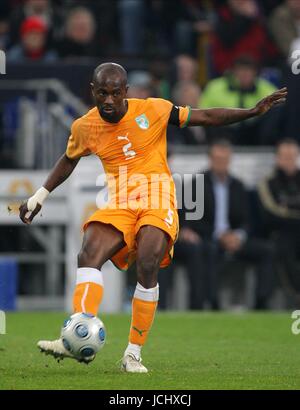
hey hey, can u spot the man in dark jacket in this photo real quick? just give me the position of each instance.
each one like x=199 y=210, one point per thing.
x=224 y=229
x=280 y=199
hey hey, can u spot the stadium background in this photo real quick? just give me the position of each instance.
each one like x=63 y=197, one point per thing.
x=171 y=49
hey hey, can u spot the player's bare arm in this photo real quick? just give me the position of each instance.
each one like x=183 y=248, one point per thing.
x=61 y=171
x=225 y=116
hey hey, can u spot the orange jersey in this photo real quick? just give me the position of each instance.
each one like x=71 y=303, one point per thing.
x=135 y=147
x=134 y=156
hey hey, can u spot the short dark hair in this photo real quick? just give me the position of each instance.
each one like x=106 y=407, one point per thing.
x=220 y=142
x=288 y=141
x=245 y=61
x=110 y=68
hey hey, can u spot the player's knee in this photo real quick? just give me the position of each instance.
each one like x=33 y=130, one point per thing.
x=148 y=265
x=89 y=256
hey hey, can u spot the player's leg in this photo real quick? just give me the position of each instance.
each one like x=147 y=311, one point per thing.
x=101 y=241
x=152 y=243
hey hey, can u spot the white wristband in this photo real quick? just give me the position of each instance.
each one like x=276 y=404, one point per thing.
x=38 y=198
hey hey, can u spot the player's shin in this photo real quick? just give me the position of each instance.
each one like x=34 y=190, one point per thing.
x=89 y=290
x=144 y=306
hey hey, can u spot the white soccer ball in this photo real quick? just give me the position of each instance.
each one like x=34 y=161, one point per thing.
x=83 y=335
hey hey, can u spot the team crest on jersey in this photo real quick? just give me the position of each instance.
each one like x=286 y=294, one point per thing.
x=142 y=122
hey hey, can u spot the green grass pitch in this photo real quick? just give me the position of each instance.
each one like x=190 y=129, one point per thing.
x=184 y=351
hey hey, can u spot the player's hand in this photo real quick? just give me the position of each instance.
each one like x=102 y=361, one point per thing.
x=27 y=216
x=278 y=97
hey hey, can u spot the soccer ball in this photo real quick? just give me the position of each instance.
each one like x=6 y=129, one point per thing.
x=83 y=335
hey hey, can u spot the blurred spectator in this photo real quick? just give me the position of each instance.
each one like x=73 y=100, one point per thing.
x=269 y=5
x=42 y=9
x=185 y=68
x=4 y=34
x=33 y=45
x=140 y=85
x=159 y=71
x=224 y=229
x=186 y=93
x=196 y=18
x=284 y=24
x=4 y=25
x=241 y=88
x=280 y=200
x=79 y=35
x=190 y=253
x=108 y=25
x=160 y=25
x=240 y=29
x=132 y=15
x=148 y=26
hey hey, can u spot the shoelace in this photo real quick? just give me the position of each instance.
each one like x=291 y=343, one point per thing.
x=135 y=359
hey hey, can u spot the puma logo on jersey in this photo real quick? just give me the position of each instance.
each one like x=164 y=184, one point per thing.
x=120 y=137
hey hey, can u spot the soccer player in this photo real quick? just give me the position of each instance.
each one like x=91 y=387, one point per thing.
x=129 y=137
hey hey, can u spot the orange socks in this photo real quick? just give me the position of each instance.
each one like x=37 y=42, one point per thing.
x=88 y=296
x=144 y=305
x=89 y=291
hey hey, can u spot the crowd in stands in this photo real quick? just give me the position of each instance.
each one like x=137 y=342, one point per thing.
x=72 y=28
x=226 y=53
x=268 y=30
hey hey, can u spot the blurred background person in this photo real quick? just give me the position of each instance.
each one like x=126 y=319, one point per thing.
x=284 y=23
x=190 y=253
x=183 y=69
x=225 y=228
x=241 y=87
x=132 y=17
x=160 y=24
x=155 y=21
x=186 y=93
x=79 y=35
x=46 y=10
x=186 y=68
x=240 y=27
x=140 y=85
x=5 y=35
x=279 y=196
x=197 y=19
x=33 y=45
x=160 y=72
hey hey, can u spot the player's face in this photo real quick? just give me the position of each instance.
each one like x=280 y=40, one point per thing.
x=109 y=96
